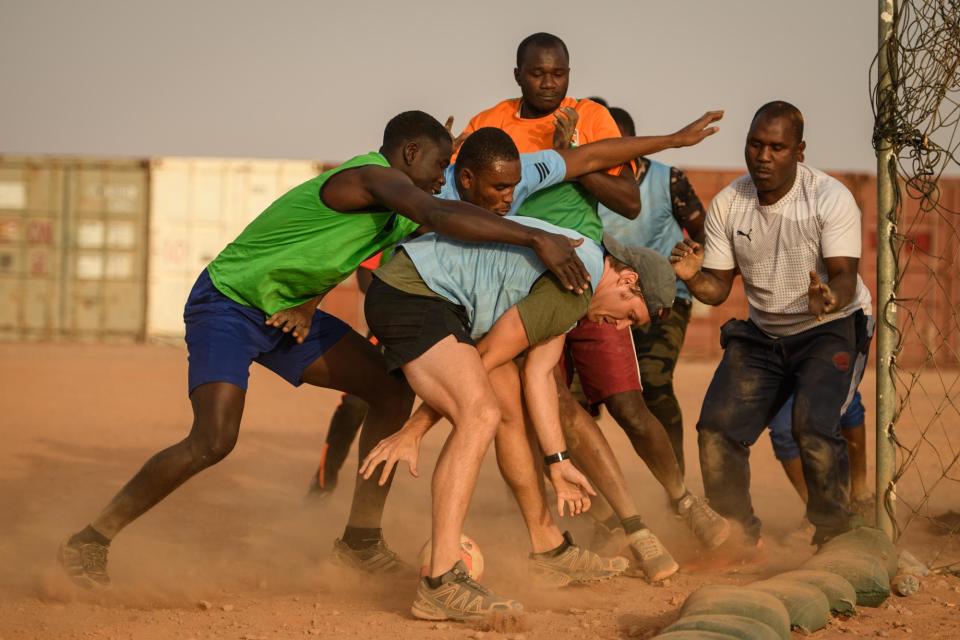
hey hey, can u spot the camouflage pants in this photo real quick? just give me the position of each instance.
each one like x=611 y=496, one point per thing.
x=658 y=347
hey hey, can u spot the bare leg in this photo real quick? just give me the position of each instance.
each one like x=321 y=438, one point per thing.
x=217 y=408
x=468 y=401
x=355 y=366
x=649 y=439
x=794 y=470
x=592 y=454
x=520 y=466
x=856 y=438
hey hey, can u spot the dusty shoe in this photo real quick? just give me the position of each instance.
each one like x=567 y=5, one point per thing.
x=376 y=559
x=575 y=565
x=711 y=529
x=459 y=597
x=85 y=563
x=654 y=561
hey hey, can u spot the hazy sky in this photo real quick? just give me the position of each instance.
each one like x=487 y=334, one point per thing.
x=318 y=80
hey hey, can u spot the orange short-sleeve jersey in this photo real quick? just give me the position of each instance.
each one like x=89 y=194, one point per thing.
x=536 y=134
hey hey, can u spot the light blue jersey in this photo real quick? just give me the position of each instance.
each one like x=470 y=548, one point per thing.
x=487 y=279
x=656 y=228
x=538 y=171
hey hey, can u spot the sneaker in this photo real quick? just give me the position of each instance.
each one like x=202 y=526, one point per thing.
x=576 y=565
x=711 y=529
x=85 y=563
x=655 y=561
x=459 y=597
x=377 y=559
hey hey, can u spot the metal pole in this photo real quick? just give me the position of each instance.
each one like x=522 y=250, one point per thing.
x=886 y=271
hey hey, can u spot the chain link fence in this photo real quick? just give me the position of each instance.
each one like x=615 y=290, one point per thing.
x=915 y=92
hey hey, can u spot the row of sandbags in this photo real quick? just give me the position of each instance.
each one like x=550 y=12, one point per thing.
x=852 y=569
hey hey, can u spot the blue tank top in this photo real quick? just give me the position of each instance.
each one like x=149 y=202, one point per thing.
x=487 y=279
x=655 y=228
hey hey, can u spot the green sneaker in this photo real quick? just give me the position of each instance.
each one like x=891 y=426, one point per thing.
x=85 y=563
x=576 y=565
x=655 y=561
x=377 y=559
x=459 y=597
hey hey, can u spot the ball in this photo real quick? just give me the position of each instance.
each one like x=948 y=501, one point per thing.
x=469 y=553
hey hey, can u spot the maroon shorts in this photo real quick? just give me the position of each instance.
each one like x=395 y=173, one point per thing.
x=605 y=359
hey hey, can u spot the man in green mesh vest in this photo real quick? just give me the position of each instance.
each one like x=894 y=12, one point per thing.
x=257 y=302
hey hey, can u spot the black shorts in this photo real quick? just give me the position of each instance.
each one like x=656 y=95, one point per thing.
x=408 y=325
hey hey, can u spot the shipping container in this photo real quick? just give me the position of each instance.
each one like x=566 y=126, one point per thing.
x=72 y=248
x=198 y=205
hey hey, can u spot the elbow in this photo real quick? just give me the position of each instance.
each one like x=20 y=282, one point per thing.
x=632 y=212
x=629 y=209
x=631 y=205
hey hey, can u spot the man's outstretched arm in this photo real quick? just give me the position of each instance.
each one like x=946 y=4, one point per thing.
x=612 y=152
x=394 y=190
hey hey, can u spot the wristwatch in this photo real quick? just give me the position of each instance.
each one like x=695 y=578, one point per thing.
x=554 y=458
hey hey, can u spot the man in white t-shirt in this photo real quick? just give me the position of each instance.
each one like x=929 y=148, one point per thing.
x=793 y=233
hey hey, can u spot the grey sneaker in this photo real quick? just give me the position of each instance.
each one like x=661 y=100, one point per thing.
x=85 y=563
x=576 y=565
x=655 y=561
x=377 y=559
x=459 y=597
x=711 y=529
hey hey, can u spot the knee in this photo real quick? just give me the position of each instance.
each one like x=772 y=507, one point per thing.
x=482 y=421
x=630 y=411
x=212 y=442
x=715 y=450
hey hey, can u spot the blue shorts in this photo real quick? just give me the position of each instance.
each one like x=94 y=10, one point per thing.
x=223 y=337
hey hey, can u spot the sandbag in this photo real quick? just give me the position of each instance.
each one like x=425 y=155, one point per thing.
x=694 y=635
x=870 y=541
x=739 y=601
x=806 y=605
x=738 y=627
x=866 y=574
x=839 y=592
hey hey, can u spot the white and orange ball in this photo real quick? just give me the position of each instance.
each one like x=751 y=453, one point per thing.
x=469 y=553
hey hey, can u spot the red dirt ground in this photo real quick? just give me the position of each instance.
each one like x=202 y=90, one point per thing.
x=236 y=554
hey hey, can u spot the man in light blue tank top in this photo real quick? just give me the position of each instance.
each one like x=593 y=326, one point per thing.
x=670 y=208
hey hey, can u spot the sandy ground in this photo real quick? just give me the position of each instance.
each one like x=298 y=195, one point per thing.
x=235 y=553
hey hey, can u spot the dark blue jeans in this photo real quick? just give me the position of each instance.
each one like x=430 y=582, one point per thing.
x=756 y=376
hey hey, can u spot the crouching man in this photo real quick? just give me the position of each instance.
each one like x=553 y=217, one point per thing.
x=425 y=305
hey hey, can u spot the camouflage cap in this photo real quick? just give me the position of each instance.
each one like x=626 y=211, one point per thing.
x=657 y=281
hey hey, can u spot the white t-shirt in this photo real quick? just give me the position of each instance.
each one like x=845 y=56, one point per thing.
x=776 y=246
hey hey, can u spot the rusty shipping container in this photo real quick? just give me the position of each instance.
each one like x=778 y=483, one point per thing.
x=72 y=248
